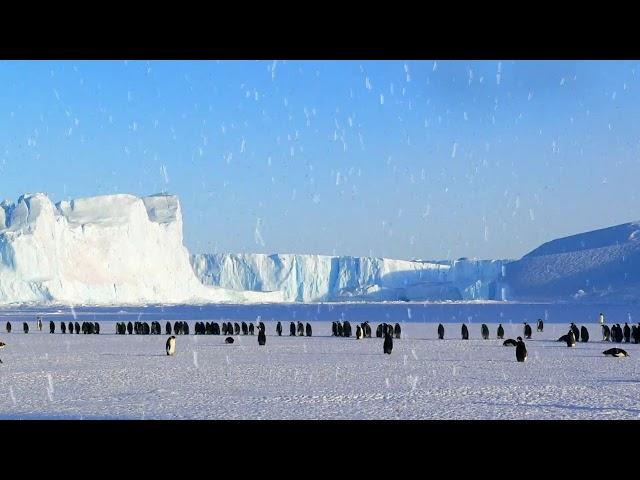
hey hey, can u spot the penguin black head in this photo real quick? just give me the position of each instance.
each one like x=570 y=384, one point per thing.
x=519 y=339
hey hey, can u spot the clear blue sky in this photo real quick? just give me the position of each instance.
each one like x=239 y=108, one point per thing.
x=415 y=159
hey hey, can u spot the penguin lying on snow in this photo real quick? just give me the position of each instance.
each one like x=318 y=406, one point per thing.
x=388 y=343
x=440 y=331
x=616 y=352
x=171 y=345
x=228 y=340
x=510 y=342
x=521 y=351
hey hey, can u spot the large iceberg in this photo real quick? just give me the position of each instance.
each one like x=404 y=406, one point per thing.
x=313 y=278
x=112 y=249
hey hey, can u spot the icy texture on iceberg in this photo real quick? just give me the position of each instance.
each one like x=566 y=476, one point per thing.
x=112 y=249
x=305 y=278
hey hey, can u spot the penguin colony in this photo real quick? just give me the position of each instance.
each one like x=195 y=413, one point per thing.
x=616 y=333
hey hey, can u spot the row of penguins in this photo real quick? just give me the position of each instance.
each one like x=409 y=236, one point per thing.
x=87 y=328
x=615 y=333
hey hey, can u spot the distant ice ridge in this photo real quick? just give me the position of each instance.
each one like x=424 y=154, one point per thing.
x=111 y=249
x=309 y=278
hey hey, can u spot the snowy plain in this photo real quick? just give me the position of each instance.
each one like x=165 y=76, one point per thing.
x=110 y=376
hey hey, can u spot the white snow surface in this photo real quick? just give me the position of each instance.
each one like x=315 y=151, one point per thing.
x=111 y=249
x=109 y=376
x=312 y=278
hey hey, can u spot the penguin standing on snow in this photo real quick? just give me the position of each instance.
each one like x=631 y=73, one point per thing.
x=52 y=327
x=500 y=332
x=279 y=329
x=358 y=332
x=397 y=331
x=388 y=343
x=576 y=332
x=334 y=329
x=627 y=333
x=167 y=328
x=584 y=334
x=521 y=350
x=25 y=327
x=527 y=330
x=39 y=323
x=308 y=330
x=379 y=331
x=601 y=318
x=485 y=332
x=8 y=327
x=606 y=333
x=540 y=326
x=571 y=339
x=2 y=345
x=634 y=334
x=252 y=329
x=465 y=332
x=440 y=332
x=262 y=338
x=292 y=329
x=171 y=345
x=63 y=327
x=616 y=352
x=300 y=329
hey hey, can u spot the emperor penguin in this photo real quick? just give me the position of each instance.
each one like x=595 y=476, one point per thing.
x=52 y=327
x=388 y=344
x=292 y=329
x=379 y=331
x=627 y=333
x=279 y=328
x=8 y=327
x=606 y=333
x=2 y=345
x=171 y=345
x=510 y=342
x=308 y=330
x=39 y=319
x=252 y=329
x=500 y=332
x=358 y=332
x=465 y=332
x=397 y=331
x=571 y=339
x=167 y=328
x=584 y=334
x=25 y=327
x=63 y=327
x=521 y=350
x=616 y=352
x=262 y=338
x=440 y=332
x=576 y=332
x=601 y=318
x=540 y=326
x=527 y=330
x=485 y=332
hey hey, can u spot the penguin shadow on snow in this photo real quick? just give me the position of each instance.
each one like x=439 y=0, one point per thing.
x=135 y=354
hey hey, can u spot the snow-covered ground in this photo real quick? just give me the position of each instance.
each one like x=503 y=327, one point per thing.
x=108 y=376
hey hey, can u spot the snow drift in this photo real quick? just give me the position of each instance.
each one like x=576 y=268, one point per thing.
x=112 y=249
x=597 y=265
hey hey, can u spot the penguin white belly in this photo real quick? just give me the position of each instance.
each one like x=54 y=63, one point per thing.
x=171 y=347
